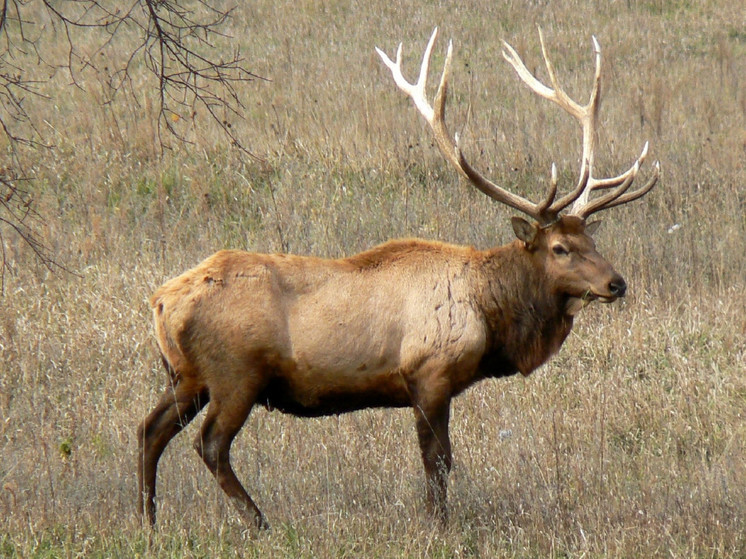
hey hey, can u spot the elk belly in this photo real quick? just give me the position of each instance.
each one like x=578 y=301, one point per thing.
x=314 y=392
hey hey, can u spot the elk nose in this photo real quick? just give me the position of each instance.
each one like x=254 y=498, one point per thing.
x=618 y=287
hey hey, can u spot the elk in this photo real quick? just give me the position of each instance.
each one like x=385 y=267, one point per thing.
x=409 y=323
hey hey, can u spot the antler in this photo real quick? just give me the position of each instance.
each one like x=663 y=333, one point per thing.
x=448 y=145
x=546 y=211
x=583 y=206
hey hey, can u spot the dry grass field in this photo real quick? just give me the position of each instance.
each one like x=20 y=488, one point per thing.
x=631 y=442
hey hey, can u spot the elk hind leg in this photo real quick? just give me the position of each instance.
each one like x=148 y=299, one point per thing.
x=225 y=417
x=176 y=408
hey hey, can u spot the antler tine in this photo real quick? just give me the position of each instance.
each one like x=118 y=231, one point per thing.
x=448 y=144
x=528 y=78
x=611 y=182
x=558 y=94
x=415 y=90
x=545 y=205
x=598 y=203
x=619 y=197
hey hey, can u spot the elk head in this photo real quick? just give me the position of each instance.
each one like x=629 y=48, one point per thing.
x=565 y=252
x=559 y=242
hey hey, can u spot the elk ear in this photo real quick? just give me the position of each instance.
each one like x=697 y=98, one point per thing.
x=524 y=230
x=592 y=227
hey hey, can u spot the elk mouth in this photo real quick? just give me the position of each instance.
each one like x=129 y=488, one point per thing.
x=574 y=304
x=589 y=296
x=614 y=290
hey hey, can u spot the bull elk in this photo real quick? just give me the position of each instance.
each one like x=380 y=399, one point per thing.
x=407 y=323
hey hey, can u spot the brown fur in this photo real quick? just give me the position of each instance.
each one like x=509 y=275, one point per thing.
x=407 y=323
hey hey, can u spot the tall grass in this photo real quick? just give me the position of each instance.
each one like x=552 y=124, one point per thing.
x=629 y=443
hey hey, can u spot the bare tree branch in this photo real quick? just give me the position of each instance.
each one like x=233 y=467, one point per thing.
x=17 y=212
x=174 y=39
x=172 y=48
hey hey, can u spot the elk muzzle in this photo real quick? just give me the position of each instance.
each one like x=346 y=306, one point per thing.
x=616 y=288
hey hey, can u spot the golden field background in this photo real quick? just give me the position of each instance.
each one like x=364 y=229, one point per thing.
x=629 y=443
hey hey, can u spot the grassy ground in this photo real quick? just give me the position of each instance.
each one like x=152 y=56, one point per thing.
x=630 y=443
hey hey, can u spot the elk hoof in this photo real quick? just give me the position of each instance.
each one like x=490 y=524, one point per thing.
x=261 y=523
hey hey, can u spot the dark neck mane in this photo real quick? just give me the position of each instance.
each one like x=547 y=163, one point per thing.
x=526 y=318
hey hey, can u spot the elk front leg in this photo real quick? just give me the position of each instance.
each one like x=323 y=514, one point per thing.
x=432 y=431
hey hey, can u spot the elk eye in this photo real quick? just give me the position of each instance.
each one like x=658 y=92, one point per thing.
x=560 y=250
